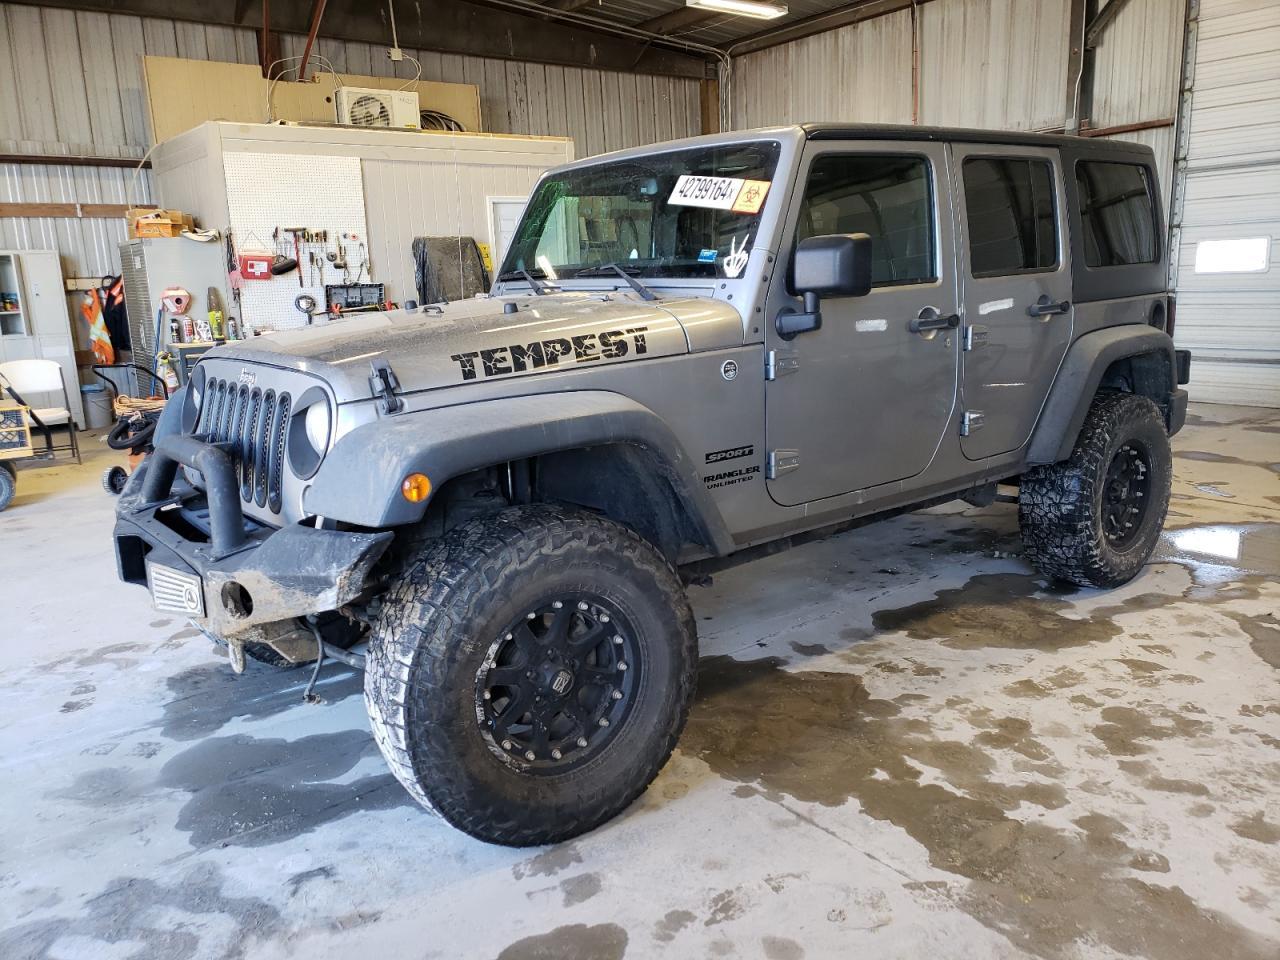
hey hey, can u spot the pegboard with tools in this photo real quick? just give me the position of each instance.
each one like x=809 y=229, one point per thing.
x=306 y=209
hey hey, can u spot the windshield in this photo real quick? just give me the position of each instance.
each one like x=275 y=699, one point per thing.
x=689 y=213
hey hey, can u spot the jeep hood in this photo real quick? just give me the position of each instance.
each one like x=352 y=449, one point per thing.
x=493 y=338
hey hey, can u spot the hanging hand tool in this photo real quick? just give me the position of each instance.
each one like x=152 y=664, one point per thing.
x=295 y=232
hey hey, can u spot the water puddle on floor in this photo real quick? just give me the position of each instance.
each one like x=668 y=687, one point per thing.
x=1223 y=551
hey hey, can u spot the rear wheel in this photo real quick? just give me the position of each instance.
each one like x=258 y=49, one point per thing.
x=529 y=675
x=1094 y=519
x=8 y=483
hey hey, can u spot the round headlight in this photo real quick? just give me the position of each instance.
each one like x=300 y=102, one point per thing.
x=317 y=424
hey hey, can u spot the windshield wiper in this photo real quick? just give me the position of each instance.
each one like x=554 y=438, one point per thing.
x=539 y=284
x=632 y=282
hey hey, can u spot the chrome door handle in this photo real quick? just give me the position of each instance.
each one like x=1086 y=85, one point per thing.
x=1044 y=307
x=929 y=319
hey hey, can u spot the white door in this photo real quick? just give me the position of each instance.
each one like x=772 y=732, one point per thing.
x=1228 y=279
x=504 y=217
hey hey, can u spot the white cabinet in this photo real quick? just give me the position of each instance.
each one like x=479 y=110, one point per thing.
x=34 y=322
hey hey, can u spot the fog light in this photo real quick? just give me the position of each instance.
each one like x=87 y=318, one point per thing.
x=416 y=487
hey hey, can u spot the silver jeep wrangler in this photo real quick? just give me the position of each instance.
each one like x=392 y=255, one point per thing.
x=691 y=350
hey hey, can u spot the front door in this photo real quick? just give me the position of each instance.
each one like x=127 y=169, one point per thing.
x=865 y=399
x=1017 y=287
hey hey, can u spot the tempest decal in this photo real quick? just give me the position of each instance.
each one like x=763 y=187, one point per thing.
x=731 y=477
x=584 y=348
x=733 y=453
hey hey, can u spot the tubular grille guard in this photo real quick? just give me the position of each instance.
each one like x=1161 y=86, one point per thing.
x=255 y=426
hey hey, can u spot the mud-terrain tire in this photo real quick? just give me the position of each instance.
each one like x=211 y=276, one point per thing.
x=1094 y=519
x=486 y=603
x=8 y=483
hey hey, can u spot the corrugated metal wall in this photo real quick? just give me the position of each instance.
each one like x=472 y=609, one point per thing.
x=71 y=83
x=1000 y=64
x=983 y=63
x=1136 y=69
x=861 y=72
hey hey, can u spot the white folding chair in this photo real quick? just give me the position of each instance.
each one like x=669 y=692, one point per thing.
x=22 y=378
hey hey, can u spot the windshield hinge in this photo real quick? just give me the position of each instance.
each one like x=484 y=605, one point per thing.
x=384 y=383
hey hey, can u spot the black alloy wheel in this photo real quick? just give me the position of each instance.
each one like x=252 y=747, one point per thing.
x=1125 y=493
x=558 y=685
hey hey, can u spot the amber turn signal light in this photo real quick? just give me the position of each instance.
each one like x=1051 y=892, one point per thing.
x=416 y=487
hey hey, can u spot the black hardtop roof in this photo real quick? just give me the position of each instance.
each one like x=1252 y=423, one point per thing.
x=889 y=131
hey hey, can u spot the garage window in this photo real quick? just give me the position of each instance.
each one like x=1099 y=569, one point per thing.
x=1116 y=213
x=884 y=196
x=1245 y=255
x=1010 y=212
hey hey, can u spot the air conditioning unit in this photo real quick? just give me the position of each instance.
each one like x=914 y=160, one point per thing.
x=370 y=107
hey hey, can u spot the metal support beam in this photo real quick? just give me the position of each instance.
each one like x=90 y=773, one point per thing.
x=569 y=6
x=677 y=20
x=317 y=14
x=1099 y=23
x=1075 y=64
x=446 y=26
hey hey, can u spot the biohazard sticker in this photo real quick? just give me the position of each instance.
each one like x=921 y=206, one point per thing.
x=751 y=197
x=719 y=193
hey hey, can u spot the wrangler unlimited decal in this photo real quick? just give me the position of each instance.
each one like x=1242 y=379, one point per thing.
x=519 y=357
x=731 y=477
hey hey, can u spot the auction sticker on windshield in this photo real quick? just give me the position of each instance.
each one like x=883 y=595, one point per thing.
x=719 y=193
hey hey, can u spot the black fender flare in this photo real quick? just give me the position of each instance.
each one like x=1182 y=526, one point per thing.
x=359 y=480
x=1077 y=381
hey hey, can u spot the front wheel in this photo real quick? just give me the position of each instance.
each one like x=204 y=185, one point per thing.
x=529 y=675
x=1094 y=519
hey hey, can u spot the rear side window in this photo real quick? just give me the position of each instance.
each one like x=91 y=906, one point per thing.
x=1010 y=211
x=884 y=196
x=1116 y=213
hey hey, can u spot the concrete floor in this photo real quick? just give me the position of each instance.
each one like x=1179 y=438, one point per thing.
x=904 y=745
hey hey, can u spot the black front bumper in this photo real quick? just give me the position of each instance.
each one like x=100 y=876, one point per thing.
x=249 y=573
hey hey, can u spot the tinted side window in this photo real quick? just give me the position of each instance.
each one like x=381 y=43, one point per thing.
x=1116 y=213
x=1010 y=211
x=885 y=197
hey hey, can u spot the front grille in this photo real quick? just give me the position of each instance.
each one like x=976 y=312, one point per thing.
x=254 y=423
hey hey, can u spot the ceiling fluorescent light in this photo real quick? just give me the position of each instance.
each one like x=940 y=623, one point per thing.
x=742 y=8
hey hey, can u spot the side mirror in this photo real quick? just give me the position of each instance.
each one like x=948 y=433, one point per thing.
x=835 y=265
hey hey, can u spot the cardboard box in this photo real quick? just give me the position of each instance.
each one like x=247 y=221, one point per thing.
x=144 y=223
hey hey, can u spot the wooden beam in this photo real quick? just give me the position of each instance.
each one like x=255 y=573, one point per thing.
x=71 y=211
x=468 y=27
x=70 y=161
x=709 y=102
x=569 y=6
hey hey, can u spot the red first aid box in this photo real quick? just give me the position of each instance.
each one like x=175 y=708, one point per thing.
x=255 y=266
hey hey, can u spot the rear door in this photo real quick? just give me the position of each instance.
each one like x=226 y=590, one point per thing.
x=865 y=400
x=1016 y=277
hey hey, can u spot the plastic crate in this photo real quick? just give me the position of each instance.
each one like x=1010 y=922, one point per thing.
x=15 y=432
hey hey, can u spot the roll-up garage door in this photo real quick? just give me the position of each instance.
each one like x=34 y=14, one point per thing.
x=1228 y=274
